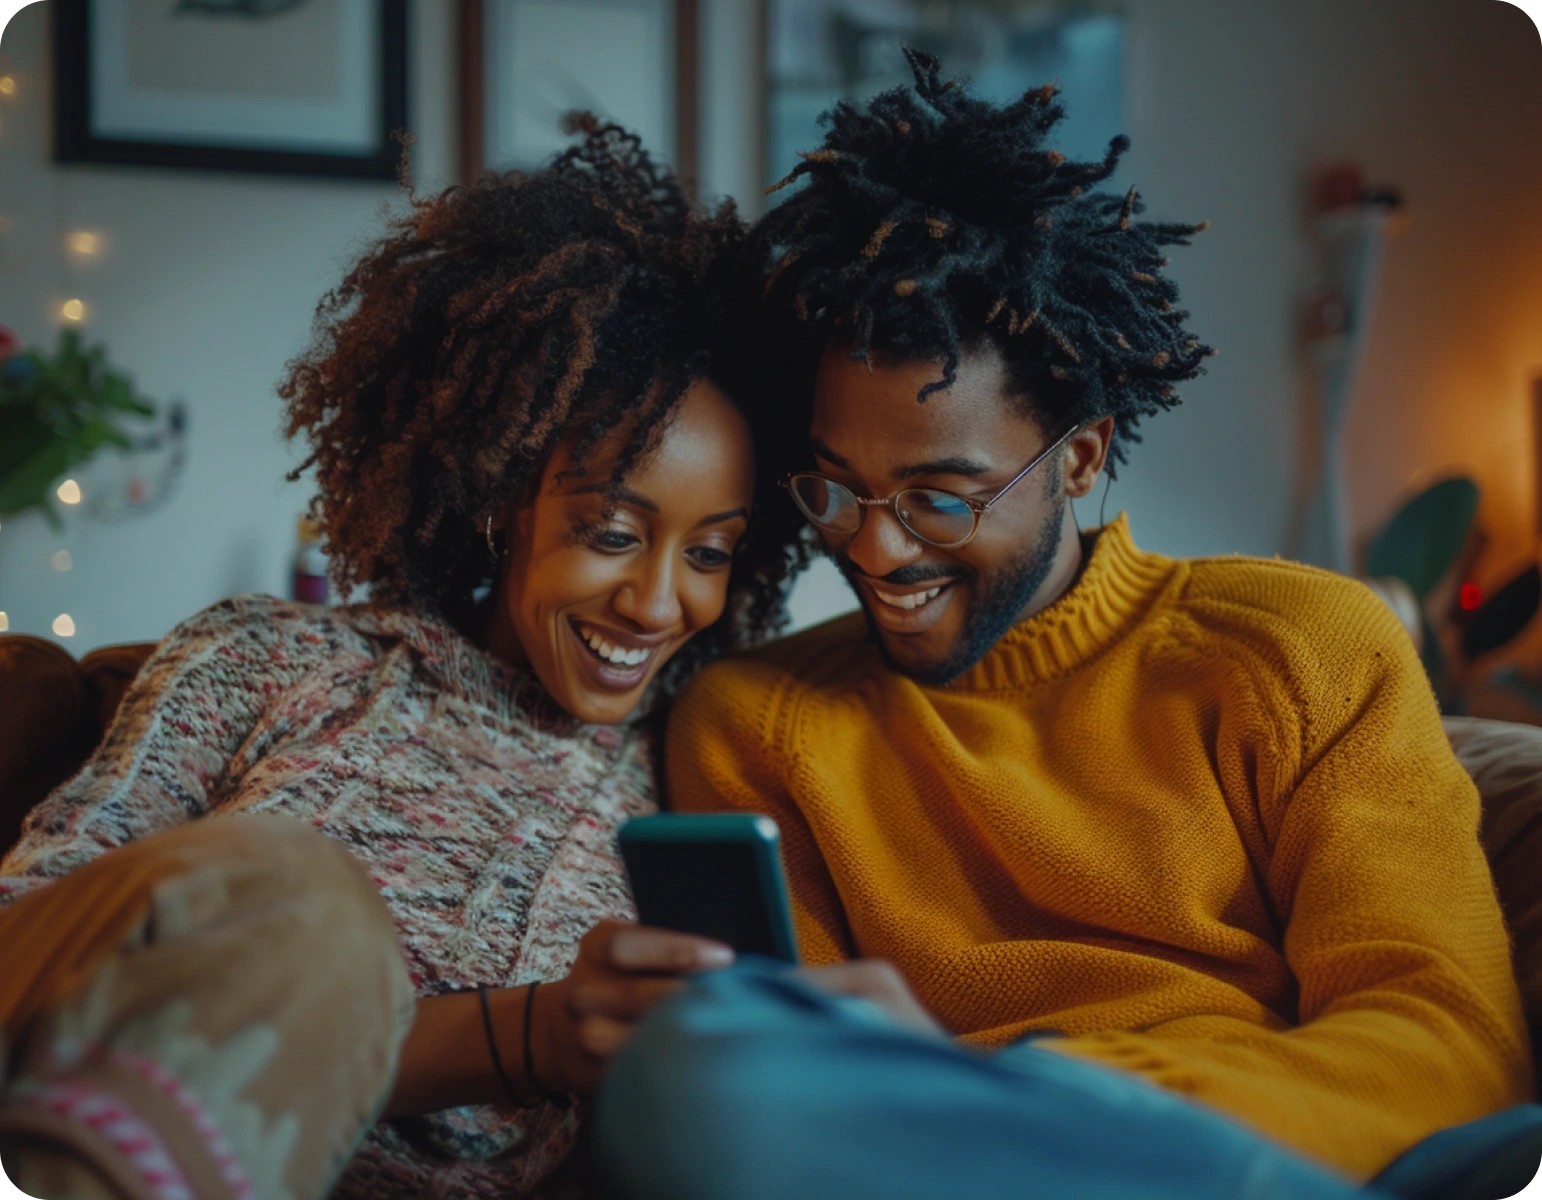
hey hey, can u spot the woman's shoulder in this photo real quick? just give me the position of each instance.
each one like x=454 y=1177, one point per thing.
x=259 y=626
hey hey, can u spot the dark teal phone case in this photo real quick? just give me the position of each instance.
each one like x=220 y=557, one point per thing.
x=718 y=875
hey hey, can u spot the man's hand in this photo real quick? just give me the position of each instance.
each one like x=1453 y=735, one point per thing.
x=880 y=983
x=582 y=1022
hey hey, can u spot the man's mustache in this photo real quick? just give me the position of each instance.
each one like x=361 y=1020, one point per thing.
x=906 y=576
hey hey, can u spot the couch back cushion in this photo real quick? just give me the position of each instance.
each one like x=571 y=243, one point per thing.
x=53 y=712
x=1505 y=761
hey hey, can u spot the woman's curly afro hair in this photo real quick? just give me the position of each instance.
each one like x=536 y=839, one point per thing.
x=491 y=323
x=929 y=218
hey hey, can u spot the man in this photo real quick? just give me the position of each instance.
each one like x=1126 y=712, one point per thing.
x=1193 y=821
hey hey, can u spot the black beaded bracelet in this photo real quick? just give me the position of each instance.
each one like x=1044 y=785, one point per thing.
x=560 y=1099
x=492 y=1050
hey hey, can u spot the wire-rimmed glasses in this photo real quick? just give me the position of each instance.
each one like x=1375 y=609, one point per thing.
x=931 y=515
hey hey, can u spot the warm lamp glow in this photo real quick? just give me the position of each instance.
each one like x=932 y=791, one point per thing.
x=64 y=625
x=5 y=622
x=69 y=492
x=82 y=243
x=73 y=311
x=7 y=85
x=61 y=561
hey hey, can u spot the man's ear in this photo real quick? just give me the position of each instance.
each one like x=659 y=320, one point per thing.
x=1084 y=456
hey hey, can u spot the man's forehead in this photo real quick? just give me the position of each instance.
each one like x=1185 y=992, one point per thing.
x=880 y=397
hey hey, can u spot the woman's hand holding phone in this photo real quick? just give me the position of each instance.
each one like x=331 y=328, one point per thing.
x=581 y=1022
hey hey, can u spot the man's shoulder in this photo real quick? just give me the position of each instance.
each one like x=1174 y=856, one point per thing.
x=1288 y=603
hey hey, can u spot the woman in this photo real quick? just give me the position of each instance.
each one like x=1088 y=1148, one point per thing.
x=524 y=449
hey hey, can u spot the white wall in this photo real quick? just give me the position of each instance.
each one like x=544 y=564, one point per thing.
x=205 y=290
x=209 y=281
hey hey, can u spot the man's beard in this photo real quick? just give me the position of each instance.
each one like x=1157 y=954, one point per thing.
x=992 y=612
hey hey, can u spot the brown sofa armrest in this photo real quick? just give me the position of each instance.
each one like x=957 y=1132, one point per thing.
x=53 y=712
x=45 y=725
x=107 y=672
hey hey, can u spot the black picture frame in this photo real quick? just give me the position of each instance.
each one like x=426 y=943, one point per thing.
x=75 y=141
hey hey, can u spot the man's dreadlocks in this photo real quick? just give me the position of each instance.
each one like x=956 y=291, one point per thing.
x=930 y=218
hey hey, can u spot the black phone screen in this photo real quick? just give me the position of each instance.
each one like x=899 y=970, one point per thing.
x=705 y=888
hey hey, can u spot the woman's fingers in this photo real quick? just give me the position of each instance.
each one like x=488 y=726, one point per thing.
x=625 y=999
x=604 y=1037
x=642 y=949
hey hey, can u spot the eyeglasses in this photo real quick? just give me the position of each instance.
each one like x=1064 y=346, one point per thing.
x=930 y=515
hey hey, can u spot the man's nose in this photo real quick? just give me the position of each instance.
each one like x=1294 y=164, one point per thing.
x=882 y=544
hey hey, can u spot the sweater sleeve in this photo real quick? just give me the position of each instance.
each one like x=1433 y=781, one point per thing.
x=1408 y=1016
x=718 y=758
x=163 y=761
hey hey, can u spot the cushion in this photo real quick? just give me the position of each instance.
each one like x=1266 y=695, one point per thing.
x=53 y=712
x=108 y=672
x=1505 y=761
x=44 y=725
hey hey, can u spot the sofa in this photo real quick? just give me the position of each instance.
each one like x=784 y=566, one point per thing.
x=54 y=710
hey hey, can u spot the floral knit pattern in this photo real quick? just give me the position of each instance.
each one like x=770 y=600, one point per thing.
x=488 y=830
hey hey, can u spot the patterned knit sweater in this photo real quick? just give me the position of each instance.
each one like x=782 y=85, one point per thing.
x=488 y=831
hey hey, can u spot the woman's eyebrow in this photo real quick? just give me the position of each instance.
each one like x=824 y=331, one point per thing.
x=618 y=492
x=719 y=518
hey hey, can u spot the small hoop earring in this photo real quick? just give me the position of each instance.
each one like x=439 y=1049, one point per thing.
x=491 y=546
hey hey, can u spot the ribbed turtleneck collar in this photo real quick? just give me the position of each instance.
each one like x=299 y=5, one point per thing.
x=1117 y=586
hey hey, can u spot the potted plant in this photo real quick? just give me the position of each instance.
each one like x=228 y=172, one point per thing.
x=56 y=412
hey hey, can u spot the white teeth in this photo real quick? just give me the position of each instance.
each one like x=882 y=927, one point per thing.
x=611 y=652
x=915 y=600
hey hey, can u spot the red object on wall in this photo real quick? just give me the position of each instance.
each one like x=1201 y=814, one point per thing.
x=1339 y=185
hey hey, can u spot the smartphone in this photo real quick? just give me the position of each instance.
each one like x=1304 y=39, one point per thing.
x=718 y=875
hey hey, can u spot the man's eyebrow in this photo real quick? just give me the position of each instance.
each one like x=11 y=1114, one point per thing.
x=618 y=492
x=942 y=466
x=936 y=466
x=830 y=456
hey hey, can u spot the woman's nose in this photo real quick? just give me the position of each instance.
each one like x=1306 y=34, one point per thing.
x=650 y=598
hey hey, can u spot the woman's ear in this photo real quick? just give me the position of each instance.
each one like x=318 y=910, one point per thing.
x=1084 y=457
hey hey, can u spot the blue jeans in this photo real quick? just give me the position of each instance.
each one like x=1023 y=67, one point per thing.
x=751 y=1085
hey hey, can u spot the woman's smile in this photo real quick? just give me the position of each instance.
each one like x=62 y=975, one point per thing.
x=617 y=661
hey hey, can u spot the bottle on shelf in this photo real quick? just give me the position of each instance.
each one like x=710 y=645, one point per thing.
x=310 y=565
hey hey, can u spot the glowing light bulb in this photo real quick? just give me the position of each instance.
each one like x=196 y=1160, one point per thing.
x=82 y=243
x=69 y=492
x=5 y=622
x=7 y=85
x=62 y=561
x=64 y=625
x=73 y=311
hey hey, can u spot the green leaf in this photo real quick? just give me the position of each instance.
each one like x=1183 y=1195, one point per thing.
x=57 y=414
x=1425 y=537
x=28 y=485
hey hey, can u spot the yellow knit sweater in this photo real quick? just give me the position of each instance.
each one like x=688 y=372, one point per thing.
x=1199 y=816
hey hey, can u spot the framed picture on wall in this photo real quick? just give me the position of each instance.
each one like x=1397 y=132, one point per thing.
x=819 y=52
x=524 y=64
x=301 y=87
